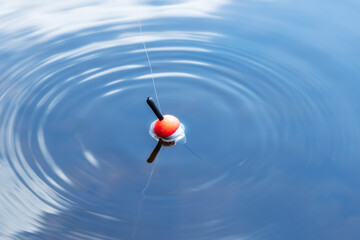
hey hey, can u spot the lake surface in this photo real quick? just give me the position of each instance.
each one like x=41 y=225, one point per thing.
x=268 y=92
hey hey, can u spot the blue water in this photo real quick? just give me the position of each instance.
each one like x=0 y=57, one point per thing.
x=268 y=92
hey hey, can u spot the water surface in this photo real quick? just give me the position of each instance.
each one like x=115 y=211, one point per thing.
x=267 y=91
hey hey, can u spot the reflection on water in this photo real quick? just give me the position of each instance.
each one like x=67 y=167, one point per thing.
x=267 y=90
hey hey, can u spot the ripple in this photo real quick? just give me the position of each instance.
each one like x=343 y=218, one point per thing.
x=74 y=123
x=40 y=90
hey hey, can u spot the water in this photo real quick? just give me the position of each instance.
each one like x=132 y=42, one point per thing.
x=268 y=92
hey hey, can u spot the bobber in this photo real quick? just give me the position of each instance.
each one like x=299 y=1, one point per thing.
x=168 y=128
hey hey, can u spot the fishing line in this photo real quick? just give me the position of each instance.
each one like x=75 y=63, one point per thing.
x=142 y=200
x=192 y=151
x=148 y=58
x=158 y=102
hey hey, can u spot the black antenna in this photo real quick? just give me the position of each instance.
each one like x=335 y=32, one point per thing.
x=153 y=107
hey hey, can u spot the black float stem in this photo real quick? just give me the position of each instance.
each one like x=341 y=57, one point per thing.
x=155 y=152
x=153 y=107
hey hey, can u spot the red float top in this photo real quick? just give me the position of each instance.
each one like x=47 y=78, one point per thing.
x=167 y=126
